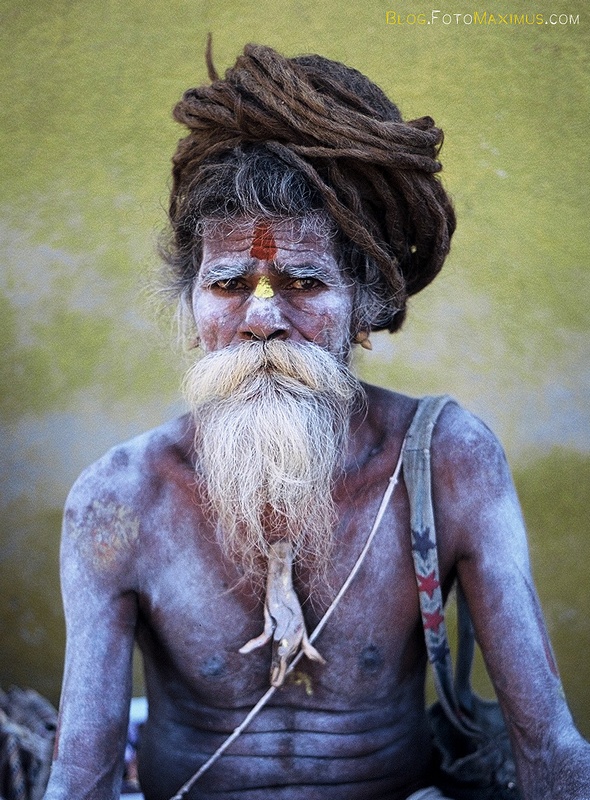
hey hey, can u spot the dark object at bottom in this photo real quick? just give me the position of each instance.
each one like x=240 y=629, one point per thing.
x=27 y=732
x=474 y=767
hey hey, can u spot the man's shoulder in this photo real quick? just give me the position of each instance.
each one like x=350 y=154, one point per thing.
x=455 y=421
x=388 y=409
x=472 y=489
x=459 y=436
x=125 y=471
x=470 y=473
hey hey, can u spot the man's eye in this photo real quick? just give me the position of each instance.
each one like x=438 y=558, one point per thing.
x=229 y=285
x=305 y=284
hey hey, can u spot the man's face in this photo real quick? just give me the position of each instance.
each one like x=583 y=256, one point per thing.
x=261 y=281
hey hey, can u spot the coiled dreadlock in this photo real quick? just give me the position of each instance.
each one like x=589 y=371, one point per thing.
x=326 y=123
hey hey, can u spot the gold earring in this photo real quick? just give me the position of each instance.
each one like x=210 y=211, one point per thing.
x=362 y=338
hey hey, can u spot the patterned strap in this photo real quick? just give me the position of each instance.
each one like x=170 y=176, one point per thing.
x=417 y=477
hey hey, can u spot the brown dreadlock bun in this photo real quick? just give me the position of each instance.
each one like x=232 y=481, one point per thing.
x=374 y=172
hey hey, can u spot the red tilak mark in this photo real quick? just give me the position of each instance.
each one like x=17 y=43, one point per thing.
x=263 y=243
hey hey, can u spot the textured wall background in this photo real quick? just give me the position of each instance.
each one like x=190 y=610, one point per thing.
x=86 y=141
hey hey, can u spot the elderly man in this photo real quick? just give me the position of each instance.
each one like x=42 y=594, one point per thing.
x=304 y=212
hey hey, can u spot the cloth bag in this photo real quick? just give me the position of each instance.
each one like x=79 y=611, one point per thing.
x=470 y=739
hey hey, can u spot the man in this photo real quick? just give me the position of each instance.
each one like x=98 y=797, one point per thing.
x=304 y=212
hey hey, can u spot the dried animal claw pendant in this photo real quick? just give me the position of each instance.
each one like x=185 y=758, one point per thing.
x=283 y=617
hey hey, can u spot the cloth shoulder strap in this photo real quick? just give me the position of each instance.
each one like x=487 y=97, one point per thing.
x=453 y=695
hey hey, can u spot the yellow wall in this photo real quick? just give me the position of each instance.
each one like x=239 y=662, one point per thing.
x=86 y=141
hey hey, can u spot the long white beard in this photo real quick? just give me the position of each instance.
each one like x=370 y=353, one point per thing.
x=271 y=425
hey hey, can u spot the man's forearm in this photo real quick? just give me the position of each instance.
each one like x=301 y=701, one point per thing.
x=69 y=781
x=561 y=772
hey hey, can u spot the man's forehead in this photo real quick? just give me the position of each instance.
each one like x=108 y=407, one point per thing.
x=266 y=239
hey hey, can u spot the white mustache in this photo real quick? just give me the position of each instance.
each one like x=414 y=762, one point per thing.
x=220 y=373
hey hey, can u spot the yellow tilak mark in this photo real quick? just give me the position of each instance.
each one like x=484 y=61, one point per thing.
x=263 y=289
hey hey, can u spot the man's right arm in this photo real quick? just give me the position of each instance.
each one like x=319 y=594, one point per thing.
x=98 y=559
x=480 y=522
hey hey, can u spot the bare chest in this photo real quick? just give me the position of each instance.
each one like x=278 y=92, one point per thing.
x=195 y=616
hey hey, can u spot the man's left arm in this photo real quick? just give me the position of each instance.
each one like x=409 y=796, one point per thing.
x=481 y=530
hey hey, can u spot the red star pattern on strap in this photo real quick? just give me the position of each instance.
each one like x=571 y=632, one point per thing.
x=427 y=583
x=433 y=621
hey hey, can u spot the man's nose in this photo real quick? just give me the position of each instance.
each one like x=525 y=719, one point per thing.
x=264 y=320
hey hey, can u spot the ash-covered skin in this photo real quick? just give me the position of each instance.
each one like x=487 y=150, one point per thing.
x=355 y=727
x=297 y=292
x=107 y=530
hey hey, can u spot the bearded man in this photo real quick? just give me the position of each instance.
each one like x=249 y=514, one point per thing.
x=304 y=212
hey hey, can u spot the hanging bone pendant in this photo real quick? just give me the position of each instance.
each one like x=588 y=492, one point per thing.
x=283 y=617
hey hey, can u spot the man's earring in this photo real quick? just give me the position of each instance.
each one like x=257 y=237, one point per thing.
x=362 y=338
